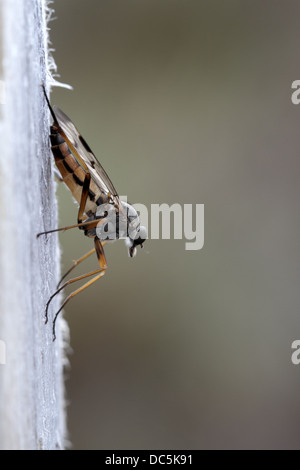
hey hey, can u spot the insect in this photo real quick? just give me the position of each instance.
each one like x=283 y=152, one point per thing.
x=101 y=214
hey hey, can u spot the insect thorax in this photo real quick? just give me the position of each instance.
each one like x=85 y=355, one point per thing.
x=115 y=222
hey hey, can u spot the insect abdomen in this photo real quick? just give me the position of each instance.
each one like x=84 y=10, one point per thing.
x=73 y=174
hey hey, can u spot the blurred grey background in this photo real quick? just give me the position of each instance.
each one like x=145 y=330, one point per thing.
x=188 y=102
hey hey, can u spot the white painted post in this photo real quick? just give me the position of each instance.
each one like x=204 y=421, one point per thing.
x=32 y=414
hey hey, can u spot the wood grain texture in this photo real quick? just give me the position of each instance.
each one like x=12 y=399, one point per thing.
x=32 y=410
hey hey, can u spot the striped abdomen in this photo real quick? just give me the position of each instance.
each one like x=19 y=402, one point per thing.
x=73 y=174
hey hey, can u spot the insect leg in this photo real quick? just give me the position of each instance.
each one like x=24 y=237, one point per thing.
x=89 y=224
x=102 y=272
x=83 y=276
x=75 y=263
x=78 y=261
x=100 y=252
x=99 y=273
x=84 y=196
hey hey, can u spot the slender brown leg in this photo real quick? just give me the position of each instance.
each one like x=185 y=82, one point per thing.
x=89 y=224
x=100 y=252
x=102 y=272
x=83 y=276
x=84 y=196
x=99 y=273
x=75 y=263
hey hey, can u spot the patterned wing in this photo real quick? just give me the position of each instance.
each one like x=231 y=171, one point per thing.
x=84 y=155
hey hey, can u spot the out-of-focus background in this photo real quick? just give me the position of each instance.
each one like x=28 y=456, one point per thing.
x=187 y=102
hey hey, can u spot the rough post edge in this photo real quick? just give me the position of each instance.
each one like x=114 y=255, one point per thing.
x=32 y=406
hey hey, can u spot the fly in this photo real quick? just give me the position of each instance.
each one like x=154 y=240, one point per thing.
x=101 y=214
